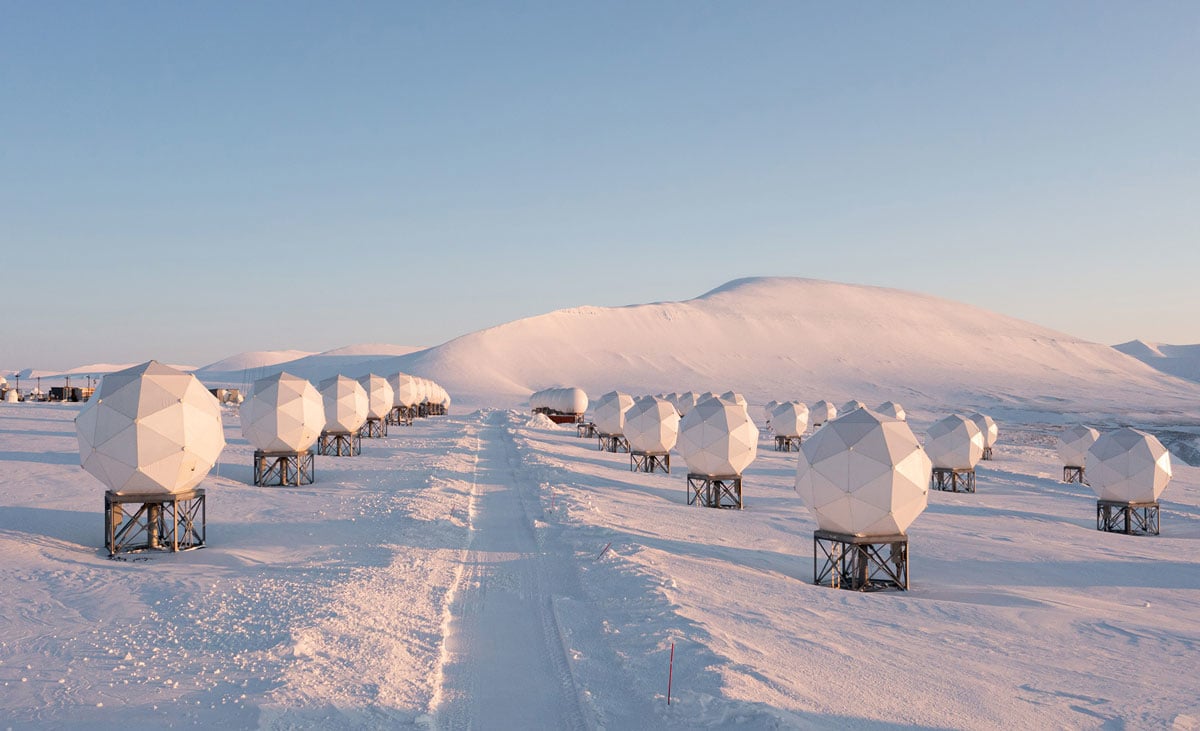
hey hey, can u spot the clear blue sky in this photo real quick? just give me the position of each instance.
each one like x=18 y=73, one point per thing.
x=188 y=180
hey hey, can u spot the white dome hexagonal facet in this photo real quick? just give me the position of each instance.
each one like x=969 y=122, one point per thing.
x=892 y=409
x=380 y=395
x=609 y=412
x=345 y=404
x=789 y=419
x=150 y=429
x=1128 y=465
x=954 y=443
x=686 y=402
x=1074 y=443
x=717 y=437
x=651 y=425
x=822 y=412
x=284 y=413
x=864 y=474
x=986 y=425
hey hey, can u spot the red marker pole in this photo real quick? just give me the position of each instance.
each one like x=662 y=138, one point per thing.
x=670 y=672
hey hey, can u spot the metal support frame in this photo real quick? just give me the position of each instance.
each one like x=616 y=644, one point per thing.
x=400 y=416
x=374 y=428
x=946 y=479
x=283 y=468
x=339 y=444
x=161 y=522
x=1071 y=473
x=423 y=410
x=860 y=563
x=585 y=430
x=612 y=442
x=787 y=444
x=650 y=462
x=714 y=491
x=1132 y=518
x=987 y=453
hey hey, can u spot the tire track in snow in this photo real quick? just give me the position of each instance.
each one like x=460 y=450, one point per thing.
x=505 y=666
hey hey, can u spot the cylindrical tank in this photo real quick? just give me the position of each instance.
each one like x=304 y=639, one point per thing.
x=864 y=474
x=717 y=438
x=1128 y=465
x=150 y=429
x=954 y=443
x=284 y=413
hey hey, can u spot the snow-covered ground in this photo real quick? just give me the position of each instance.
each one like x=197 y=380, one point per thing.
x=455 y=576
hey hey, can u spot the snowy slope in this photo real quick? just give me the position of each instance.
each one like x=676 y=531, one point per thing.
x=253 y=359
x=353 y=360
x=1177 y=360
x=777 y=338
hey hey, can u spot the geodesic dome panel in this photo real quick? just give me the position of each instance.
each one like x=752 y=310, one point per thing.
x=987 y=425
x=822 y=412
x=851 y=405
x=736 y=398
x=717 y=437
x=1128 y=465
x=404 y=390
x=345 y=404
x=954 y=443
x=284 y=413
x=609 y=412
x=150 y=429
x=769 y=407
x=864 y=474
x=1074 y=443
x=651 y=425
x=380 y=396
x=892 y=409
x=789 y=419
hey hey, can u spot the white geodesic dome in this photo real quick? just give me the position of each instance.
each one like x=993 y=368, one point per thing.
x=717 y=438
x=1128 y=465
x=851 y=405
x=284 y=413
x=651 y=425
x=150 y=429
x=736 y=398
x=11 y=396
x=822 y=412
x=562 y=400
x=789 y=419
x=404 y=390
x=609 y=412
x=864 y=474
x=987 y=425
x=686 y=402
x=954 y=443
x=380 y=395
x=893 y=410
x=1074 y=443
x=768 y=407
x=345 y=404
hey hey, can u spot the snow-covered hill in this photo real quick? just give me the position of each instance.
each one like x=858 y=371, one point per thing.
x=352 y=360
x=1177 y=360
x=806 y=339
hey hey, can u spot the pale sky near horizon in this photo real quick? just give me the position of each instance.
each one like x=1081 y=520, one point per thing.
x=184 y=181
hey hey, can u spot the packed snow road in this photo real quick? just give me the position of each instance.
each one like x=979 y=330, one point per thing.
x=505 y=662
